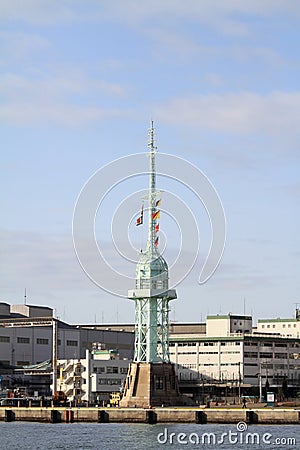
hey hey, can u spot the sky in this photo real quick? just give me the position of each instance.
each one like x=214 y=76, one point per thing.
x=80 y=81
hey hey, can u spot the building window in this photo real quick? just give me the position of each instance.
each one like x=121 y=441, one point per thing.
x=23 y=340
x=112 y=369
x=71 y=343
x=86 y=344
x=4 y=339
x=123 y=369
x=159 y=383
x=266 y=355
x=22 y=363
x=42 y=341
x=280 y=355
x=110 y=381
x=58 y=341
x=99 y=369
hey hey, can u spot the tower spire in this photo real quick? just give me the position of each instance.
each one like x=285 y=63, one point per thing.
x=151 y=247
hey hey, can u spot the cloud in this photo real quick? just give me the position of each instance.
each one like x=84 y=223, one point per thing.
x=64 y=98
x=238 y=113
x=227 y=16
x=17 y=45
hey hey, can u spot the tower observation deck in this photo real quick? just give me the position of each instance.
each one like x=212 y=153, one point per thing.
x=151 y=379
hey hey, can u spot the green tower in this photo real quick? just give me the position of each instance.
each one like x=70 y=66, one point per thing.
x=151 y=379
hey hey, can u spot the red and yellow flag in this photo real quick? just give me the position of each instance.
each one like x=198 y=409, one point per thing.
x=140 y=219
x=156 y=215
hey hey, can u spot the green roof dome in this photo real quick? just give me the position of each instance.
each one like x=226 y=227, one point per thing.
x=152 y=271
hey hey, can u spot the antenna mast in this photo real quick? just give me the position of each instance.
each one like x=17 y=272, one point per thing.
x=152 y=193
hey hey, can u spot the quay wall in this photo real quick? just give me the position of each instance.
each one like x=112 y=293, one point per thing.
x=153 y=415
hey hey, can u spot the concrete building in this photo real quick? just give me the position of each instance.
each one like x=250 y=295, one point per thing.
x=92 y=379
x=284 y=327
x=226 y=352
x=26 y=336
x=233 y=355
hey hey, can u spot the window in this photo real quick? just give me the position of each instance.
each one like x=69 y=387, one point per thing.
x=159 y=383
x=58 y=341
x=42 y=341
x=23 y=340
x=189 y=353
x=250 y=355
x=86 y=344
x=280 y=355
x=4 y=339
x=110 y=381
x=99 y=369
x=112 y=369
x=123 y=369
x=266 y=355
x=22 y=363
x=71 y=343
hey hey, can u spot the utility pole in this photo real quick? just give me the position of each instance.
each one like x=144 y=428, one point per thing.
x=54 y=355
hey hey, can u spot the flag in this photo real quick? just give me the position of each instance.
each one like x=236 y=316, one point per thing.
x=139 y=220
x=157 y=228
x=156 y=215
x=156 y=242
x=158 y=202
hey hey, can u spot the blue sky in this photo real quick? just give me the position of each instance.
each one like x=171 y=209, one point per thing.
x=80 y=81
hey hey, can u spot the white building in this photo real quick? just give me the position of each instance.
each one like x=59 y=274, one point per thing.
x=231 y=353
x=92 y=379
x=26 y=336
x=284 y=327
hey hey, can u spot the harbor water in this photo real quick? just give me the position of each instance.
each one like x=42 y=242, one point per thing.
x=126 y=436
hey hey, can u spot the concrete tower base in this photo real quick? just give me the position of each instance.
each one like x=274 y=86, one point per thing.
x=151 y=384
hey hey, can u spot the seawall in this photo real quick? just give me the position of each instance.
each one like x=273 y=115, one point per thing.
x=153 y=415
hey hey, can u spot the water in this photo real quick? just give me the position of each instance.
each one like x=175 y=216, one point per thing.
x=29 y=435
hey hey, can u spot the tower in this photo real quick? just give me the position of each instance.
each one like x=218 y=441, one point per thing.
x=151 y=379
